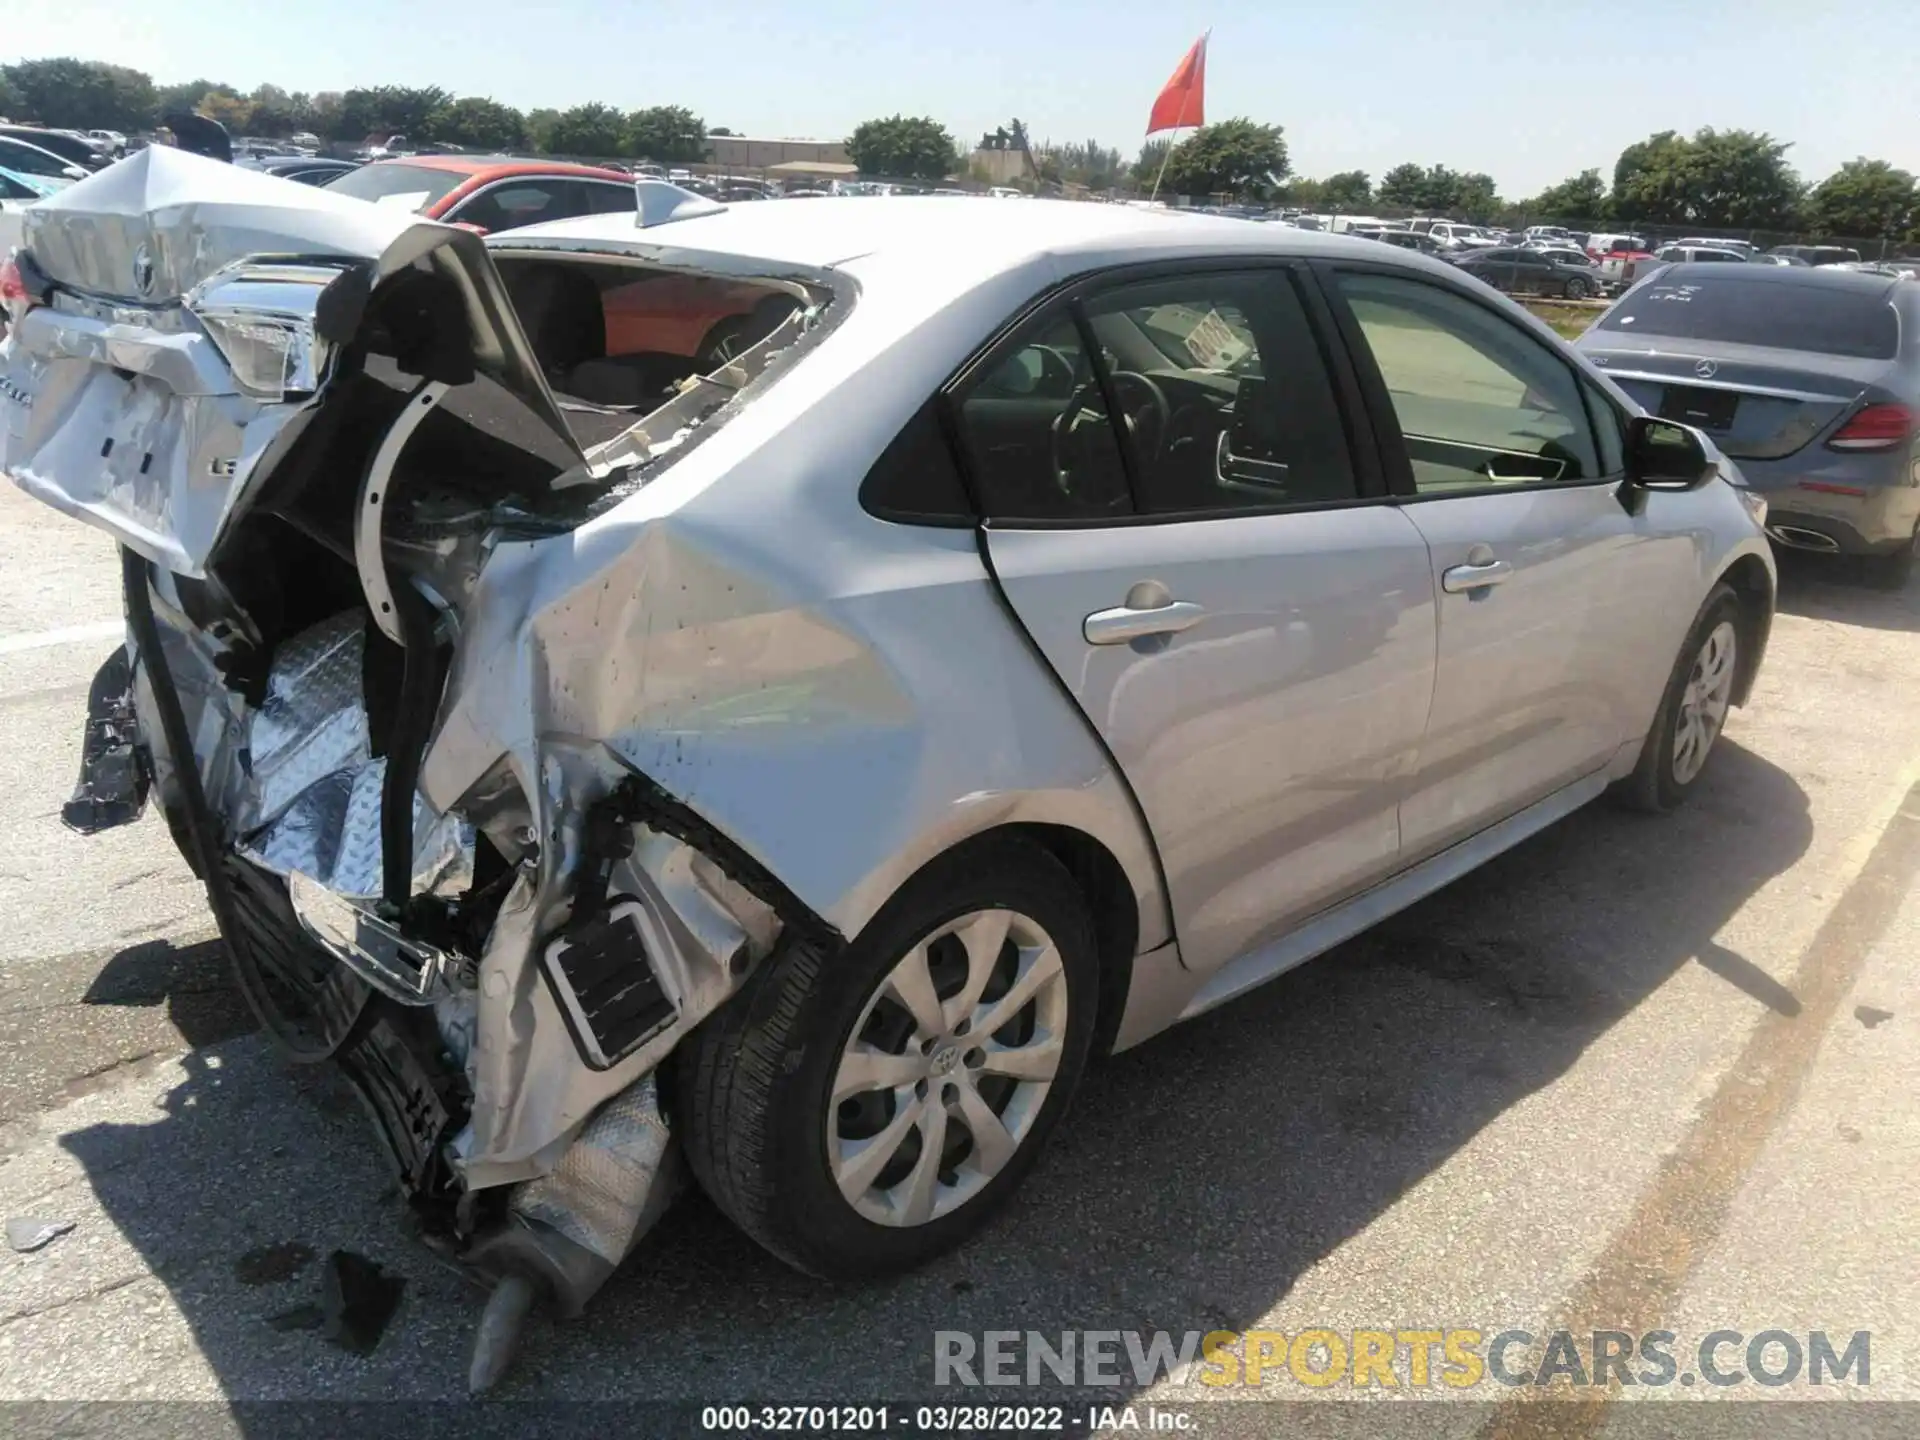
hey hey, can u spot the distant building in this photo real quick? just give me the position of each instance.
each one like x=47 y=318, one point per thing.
x=747 y=153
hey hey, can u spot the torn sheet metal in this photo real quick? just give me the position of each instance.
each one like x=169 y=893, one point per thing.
x=162 y=221
x=532 y=1088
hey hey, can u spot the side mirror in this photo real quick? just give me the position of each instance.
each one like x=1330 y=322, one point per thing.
x=1664 y=455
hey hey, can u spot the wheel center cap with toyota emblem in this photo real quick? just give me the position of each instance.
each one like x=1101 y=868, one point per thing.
x=945 y=1060
x=1706 y=369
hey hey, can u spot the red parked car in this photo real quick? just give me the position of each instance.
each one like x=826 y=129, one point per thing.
x=488 y=193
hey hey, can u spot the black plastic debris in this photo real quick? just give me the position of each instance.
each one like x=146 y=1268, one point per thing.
x=358 y=1298
x=28 y=1233
x=112 y=788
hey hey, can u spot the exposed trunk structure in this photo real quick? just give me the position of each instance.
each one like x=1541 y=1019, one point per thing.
x=314 y=426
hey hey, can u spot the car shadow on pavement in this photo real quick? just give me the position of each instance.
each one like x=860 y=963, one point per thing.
x=192 y=981
x=1823 y=587
x=1198 y=1178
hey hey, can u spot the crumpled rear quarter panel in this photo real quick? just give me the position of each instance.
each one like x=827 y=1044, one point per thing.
x=842 y=696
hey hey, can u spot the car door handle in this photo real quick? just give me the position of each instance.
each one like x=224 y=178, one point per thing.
x=1462 y=578
x=1124 y=622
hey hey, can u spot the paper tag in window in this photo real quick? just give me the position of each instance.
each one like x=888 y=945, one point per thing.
x=1213 y=344
x=405 y=200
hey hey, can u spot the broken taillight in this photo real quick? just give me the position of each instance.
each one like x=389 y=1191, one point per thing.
x=16 y=295
x=262 y=316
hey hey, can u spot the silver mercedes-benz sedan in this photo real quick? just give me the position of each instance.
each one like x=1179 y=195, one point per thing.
x=783 y=687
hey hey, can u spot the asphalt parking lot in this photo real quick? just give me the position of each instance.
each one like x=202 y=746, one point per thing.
x=1637 y=1074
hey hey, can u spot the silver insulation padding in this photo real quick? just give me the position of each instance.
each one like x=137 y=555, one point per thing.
x=314 y=802
x=614 y=1181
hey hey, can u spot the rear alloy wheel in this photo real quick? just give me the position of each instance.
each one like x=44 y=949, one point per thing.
x=860 y=1114
x=1576 y=289
x=1693 y=709
x=930 y=1101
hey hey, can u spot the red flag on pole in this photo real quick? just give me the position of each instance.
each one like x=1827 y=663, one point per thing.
x=1183 y=102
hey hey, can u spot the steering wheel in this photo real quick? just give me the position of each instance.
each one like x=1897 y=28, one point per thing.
x=1077 y=428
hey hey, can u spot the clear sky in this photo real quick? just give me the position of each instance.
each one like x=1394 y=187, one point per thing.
x=1529 y=91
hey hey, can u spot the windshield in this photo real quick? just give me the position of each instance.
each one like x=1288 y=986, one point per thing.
x=1824 y=319
x=413 y=187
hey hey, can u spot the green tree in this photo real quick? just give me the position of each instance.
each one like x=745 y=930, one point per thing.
x=389 y=110
x=1088 y=163
x=9 y=101
x=593 y=130
x=274 y=112
x=232 y=110
x=1741 y=178
x=666 y=133
x=480 y=123
x=1735 y=179
x=1234 y=157
x=540 y=124
x=1403 y=186
x=1300 y=191
x=1438 y=188
x=1146 y=169
x=171 y=99
x=69 y=94
x=1864 y=198
x=909 y=147
x=1475 y=195
x=1347 y=189
x=1582 y=199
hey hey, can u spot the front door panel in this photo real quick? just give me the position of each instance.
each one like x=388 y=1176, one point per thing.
x=1267 y=739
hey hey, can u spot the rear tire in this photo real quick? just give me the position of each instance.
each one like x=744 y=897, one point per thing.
x=1576 y=289
x=1693 y=709
x=809 y=1102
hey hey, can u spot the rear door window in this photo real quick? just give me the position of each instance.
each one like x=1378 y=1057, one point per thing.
x=1035 y=430
x=1233 y=408
x=1823 y=319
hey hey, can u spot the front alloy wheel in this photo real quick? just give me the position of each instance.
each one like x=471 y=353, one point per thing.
x=1693 y=709
x=1704 y=702
x=860 y=1112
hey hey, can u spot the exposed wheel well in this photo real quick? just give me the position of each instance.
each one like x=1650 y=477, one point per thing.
x=1110 y=900
x=1753 y=584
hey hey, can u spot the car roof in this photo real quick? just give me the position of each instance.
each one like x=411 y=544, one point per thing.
x=961 y=238
x=1809 y=277
x=498 y=167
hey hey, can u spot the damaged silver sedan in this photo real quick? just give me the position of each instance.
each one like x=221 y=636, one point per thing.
x=775 y=690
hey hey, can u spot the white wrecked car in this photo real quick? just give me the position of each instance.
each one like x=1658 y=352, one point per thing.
x=871 y=655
